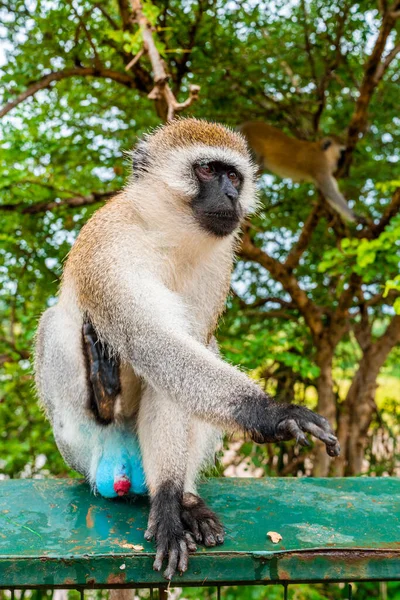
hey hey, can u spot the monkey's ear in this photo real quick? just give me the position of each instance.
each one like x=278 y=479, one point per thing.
x=140 y=159
x=325 y=143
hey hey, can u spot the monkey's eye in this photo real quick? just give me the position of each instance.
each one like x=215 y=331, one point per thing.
x=205 y=170
x=233 y=178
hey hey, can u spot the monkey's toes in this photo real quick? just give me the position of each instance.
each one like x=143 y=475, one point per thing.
x=191 y=544
x=201 y=521
x=177 y=552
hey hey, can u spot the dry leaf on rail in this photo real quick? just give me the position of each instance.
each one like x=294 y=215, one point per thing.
x=132 y=547
x=274 y=536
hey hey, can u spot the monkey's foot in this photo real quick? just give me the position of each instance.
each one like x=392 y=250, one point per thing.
x=165 y=526
x=202 y=522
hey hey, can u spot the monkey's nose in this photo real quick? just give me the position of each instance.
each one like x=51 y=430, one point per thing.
x=229 y=190
x=122 y=485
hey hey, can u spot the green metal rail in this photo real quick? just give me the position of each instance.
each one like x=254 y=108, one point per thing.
x=55 y=533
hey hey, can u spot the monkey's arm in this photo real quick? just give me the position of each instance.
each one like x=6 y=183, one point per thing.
x=329 y=187
x=146 y=325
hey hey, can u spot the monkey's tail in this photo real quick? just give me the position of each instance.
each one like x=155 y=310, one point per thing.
x=330 y=190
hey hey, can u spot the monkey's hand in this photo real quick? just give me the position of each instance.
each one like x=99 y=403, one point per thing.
x=165 y=526
x=286 y=421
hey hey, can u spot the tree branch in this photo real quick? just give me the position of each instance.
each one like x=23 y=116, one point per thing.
x=261 y=301
x=182 y=65
x=391 y=211
x=308 y=44
x=294 y=256
x=331 y=65
x=383 y=66
x=381 y=348
x=363 y=329
x=45 y=82
x=373 y=67
x=166 y=103
x=388 y=298
x=355 y=281
x=109 y=18
x=81 y=20
x=73 y=202
x=310 y=312
x=346 y=298
x=126 y=15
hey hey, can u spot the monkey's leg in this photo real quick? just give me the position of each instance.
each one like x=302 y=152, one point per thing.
x=200 y=520
x=108 y=456
x=163 y=433
x=103 y=371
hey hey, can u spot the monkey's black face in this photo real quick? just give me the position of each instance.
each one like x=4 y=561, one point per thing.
x=217 y=207
x=341 y=160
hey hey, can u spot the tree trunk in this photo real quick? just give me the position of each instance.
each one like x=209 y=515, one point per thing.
x=326 y=407
x=359 y=406
x=356 y=416
x=363 y=406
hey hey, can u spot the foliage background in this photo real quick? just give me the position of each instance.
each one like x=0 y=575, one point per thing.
x=311 y=297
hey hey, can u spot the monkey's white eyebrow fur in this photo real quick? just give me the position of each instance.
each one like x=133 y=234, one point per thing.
x=181 y=160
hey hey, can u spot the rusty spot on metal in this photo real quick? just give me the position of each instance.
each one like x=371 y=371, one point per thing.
x=391 y=546
x=69 y=581
x=284 y=575
x=89 y=518
x=118 y=578
x=347 y=555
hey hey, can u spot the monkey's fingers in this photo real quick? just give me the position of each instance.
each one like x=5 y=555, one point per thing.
x=290 y=426
x=302 y=420
x=325 y=434
x=191 y=544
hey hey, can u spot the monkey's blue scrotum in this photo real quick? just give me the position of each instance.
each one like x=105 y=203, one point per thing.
x=120 y=469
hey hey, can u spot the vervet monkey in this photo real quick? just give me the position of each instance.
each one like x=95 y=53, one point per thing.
x=299 y=160
x=147 y=280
